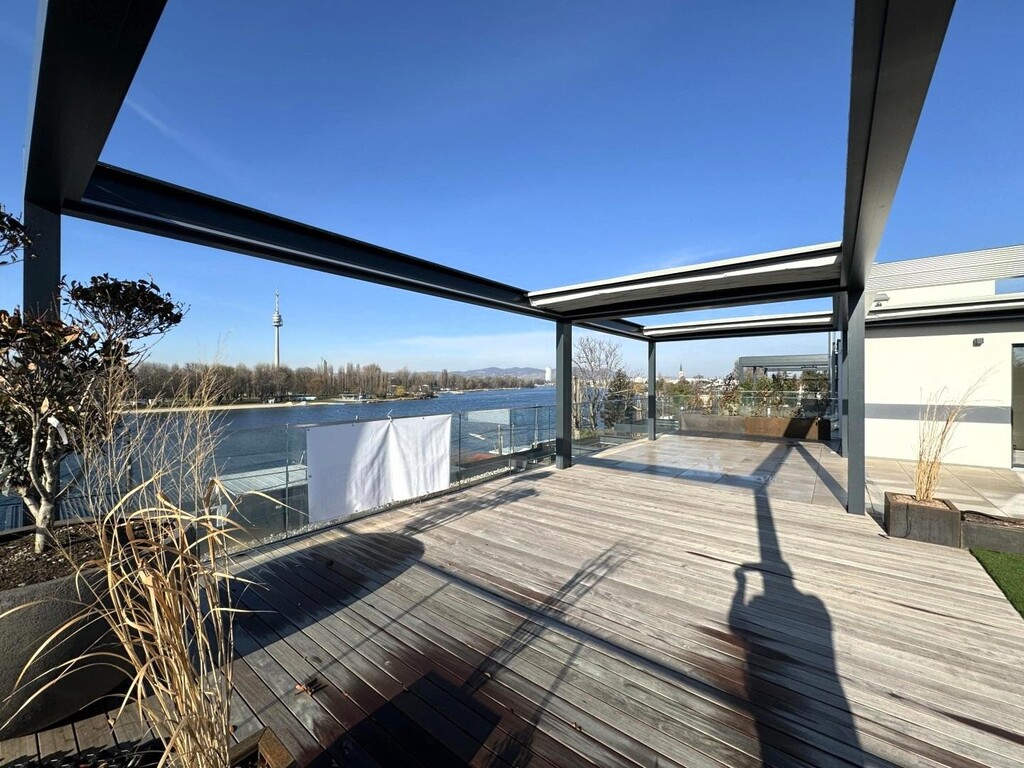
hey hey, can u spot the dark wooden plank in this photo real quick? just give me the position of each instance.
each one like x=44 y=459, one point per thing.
x=244 y=722
x=656 y=641
x=261 y=681
x=339 y=567
x=519 y=711
x=458 y=726
x=341 y=710
x=780 y=681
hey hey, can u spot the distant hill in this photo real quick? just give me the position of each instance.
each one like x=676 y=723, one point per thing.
x=522 y=373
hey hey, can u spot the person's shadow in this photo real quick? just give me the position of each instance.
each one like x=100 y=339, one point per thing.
x=793 y=688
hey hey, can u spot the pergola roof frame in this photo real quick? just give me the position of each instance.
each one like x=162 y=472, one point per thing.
x=785 y=362
x=806 y=272
x=951 y=268
x=127 y=199
x=741 y=327
x=89 y=50
x=63 y=169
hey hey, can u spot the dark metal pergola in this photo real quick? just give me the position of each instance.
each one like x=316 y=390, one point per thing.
x=89 y=51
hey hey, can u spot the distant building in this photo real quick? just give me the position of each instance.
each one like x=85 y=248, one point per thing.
x=547 y=375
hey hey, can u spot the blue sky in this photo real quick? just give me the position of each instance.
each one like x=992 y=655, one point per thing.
x=536 y=143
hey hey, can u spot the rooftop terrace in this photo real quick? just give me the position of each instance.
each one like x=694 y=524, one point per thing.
x=635 y=609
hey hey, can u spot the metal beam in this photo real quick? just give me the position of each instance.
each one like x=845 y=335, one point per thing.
x=896 y=45
x=41 y=273
x=563 y=395
x=843 y=406
x=784 y=362
x=764 y=294
x=86 y=57
x=87 y=53
x=126 y=199
x=652 y=390
x=737 y=327
x=988 y=308
x=805 y=272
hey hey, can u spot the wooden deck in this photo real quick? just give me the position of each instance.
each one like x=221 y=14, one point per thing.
x=612 y=615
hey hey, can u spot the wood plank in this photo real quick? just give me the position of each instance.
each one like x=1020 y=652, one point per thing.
x=269 y=692
x=340 y=701
x=19 y=751
x=797 y=672
x=526 y=705
x=95 y=737
x=732 y=759
x=57 y=745
x=818 y=761
x=391 y=658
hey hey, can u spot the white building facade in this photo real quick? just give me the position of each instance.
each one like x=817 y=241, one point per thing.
x=909 y=365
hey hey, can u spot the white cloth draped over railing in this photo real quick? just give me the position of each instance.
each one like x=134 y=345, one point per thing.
x=366 y=465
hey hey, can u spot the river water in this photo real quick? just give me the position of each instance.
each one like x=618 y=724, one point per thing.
x=308 y=415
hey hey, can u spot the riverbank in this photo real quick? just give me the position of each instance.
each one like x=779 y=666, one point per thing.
x=324 y=401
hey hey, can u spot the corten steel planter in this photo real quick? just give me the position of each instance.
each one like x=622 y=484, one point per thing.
x=262 y=748
x=757 y=426
x=995 y=533
x=907 y=518
x=49 y=605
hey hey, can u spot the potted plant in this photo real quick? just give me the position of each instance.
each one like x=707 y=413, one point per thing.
x=162 y=585
x=57 y=398
x=163 y=559
x=921 y=516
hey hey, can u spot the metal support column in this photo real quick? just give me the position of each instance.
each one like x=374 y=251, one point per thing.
x=841 y=389
x=41 y=269
x=854 y=442
x=652 y=390
x=563 y=395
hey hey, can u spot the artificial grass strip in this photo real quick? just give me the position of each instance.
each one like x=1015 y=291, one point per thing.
x=1007 y=571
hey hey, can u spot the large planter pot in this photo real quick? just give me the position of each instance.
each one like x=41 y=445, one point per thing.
x=48 y=606
x=907 y=518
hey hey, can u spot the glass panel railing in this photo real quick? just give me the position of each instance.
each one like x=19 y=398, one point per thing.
x=602 y=422
x=265 y=470
x=813 y=412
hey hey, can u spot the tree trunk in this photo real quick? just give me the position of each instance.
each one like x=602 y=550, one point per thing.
x=43 y=515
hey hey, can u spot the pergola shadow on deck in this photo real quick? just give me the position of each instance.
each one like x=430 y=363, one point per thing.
x=616 y=618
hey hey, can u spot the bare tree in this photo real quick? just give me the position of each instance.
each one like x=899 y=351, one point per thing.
x=594 y=363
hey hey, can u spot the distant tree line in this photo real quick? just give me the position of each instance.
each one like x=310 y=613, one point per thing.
x=262 y=381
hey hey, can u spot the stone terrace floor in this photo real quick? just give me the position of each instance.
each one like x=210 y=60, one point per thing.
x=812 y=472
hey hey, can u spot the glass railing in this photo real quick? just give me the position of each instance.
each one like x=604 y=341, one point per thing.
x=265 y=470
x=752 y=403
